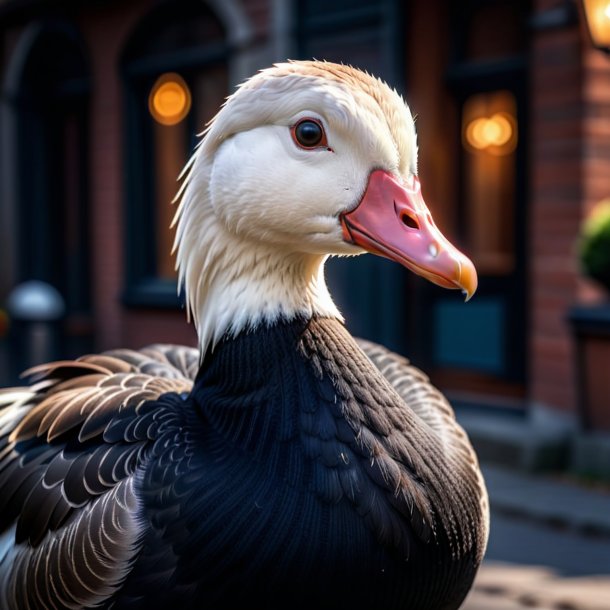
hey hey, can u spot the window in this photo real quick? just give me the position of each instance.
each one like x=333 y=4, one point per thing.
x=479 y=351
x=176 y=78
x=490 y=136
x=52 y=140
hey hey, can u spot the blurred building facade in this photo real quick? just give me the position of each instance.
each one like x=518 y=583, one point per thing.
x=100 y=103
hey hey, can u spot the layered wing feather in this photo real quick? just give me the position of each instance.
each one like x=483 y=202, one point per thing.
x=70 y=445
x=431 y=406
x=414 y=387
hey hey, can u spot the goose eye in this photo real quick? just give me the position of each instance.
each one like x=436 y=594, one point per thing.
x=309 y=133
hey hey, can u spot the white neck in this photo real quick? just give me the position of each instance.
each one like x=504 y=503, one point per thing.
x=241 y=285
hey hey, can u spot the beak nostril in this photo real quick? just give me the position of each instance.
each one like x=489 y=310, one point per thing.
x=409 y=221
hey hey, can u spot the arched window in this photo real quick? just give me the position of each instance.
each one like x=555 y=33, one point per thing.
x=50 y=112
x=176 y=77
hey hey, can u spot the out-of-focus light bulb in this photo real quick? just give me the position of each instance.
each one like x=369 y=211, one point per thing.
x=170 y=99
x=495 y=131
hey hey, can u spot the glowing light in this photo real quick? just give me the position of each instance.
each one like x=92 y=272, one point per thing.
x=170 y=99
x=597 y=13
x=496 y=131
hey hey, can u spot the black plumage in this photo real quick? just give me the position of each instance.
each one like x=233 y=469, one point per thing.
x=293 y=475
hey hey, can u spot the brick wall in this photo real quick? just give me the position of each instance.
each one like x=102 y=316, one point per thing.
x=570 y=154
x=106 y=166
x=596 y=126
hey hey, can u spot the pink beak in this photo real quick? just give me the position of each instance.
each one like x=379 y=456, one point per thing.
x=392 y=220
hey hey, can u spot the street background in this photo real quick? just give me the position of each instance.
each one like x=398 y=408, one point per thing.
x=512 y=100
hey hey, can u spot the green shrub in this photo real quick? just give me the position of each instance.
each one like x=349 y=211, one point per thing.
x=594 y=245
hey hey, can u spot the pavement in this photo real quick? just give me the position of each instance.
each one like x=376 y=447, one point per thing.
x=556 y=535
x=553 y=500
x=505 y=586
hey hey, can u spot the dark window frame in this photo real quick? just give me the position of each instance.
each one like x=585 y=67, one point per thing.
x=467 y=78
x=51 y=110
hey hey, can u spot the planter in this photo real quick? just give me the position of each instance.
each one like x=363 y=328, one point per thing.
x=591 y=329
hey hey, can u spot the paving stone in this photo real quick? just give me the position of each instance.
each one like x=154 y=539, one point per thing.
x=499 y=585
x=482 y=601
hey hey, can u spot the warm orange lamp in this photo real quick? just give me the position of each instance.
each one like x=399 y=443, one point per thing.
x=495 y=134
x=597 y=14
x=496 y=130
x=170 y=99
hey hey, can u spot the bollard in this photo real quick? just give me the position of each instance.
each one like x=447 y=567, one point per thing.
x=36 y=310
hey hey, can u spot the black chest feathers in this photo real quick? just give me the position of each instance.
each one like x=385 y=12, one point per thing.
x=303 y=481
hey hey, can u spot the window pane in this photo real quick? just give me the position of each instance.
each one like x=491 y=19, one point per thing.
x=176 y=66
x=172 y=146
x=317 y=8
x=360 y=47
x=170 y=156
x=490 y=138
x=173 y=28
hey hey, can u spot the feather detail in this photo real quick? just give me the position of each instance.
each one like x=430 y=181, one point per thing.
x=70 y=446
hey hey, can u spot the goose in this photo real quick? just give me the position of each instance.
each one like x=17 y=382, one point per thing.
x=283 y=463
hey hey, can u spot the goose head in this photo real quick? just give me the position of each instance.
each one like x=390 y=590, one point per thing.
x=303 y=161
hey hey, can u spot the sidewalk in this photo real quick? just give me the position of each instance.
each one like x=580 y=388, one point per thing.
x=552 y=502
x=508 y=587
x=546 y=505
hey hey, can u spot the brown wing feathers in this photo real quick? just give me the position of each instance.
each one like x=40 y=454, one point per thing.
x=69 y=446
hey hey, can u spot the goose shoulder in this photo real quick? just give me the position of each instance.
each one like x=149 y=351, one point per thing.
x=417 y=392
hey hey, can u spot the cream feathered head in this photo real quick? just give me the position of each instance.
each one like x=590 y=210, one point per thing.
x=304 y=160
